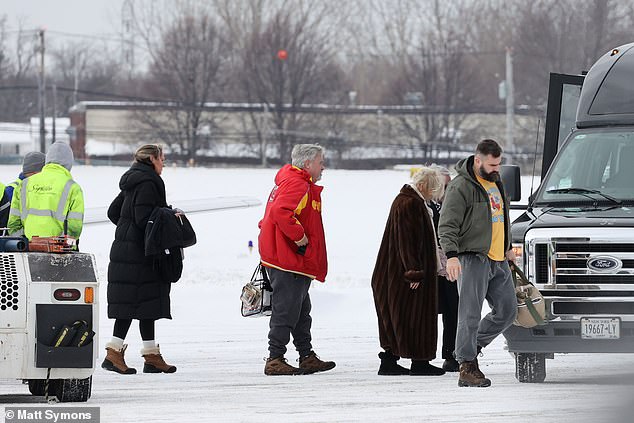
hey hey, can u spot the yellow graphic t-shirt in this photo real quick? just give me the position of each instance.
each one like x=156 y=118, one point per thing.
x=496 y=251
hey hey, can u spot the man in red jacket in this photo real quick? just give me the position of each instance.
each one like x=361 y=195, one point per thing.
x=293 y=249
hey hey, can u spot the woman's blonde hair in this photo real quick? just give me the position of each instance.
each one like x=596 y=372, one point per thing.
x=431 y=181
x=143 y=153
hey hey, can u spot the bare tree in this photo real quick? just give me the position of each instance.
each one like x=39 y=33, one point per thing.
x=565 y=36
x=78 y=68
x=189 y=52
x=17 y=101
x=433 y=61
x=287 y=58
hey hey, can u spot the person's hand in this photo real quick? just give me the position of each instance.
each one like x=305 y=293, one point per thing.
x=510 y=255
x=303 y=241
x=179 y=212
x=453 y=269
x=413 y=285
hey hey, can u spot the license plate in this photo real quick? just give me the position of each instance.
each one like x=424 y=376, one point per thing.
x=600 y=328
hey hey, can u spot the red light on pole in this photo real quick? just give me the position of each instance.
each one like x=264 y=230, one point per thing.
x=282 y=54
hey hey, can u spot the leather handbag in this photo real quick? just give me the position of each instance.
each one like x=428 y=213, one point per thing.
x=531 y=307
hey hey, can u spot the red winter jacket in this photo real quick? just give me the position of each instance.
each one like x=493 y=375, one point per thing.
x=294 y=209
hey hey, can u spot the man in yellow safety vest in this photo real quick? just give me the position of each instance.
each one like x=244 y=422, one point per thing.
x=49 y=203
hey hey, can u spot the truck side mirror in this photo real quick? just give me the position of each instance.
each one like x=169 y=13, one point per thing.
x=510 y=175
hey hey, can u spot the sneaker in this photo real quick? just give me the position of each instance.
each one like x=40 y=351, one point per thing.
x=451 y=365
x=312 y=364
x=278 y=366
x=471 y=376
x=423 y=368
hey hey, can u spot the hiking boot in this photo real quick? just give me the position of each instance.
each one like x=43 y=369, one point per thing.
x=451 y=365
x=312 y=364
x=278 y=366
x=389 y=365
x=115 y=361
x=154 y=362
x=477 y=365
x=423 y=368
x=470 y=375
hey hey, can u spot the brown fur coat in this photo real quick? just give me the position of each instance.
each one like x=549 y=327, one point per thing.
x=407 y=317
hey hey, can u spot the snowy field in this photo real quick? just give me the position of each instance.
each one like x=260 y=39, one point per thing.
x=219 y=354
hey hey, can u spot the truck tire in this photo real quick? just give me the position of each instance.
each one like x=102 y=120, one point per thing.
x=71 y=390
x=530 y=367
x=36 y=387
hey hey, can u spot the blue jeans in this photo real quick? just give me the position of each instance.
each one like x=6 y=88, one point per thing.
x=483 y=278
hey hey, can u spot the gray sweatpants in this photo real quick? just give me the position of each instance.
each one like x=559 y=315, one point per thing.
x=483 y=278
x=290 y=304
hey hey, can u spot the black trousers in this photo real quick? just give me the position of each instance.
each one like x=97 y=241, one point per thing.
x=290 y=305
x=448 y=306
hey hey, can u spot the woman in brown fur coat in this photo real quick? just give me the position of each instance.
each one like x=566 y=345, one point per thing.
x=404 y=280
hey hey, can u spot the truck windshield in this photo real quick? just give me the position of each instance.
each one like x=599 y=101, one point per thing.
x=593 y=167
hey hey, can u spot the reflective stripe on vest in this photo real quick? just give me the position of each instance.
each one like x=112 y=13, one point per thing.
x=14 y=185
x=57 y=215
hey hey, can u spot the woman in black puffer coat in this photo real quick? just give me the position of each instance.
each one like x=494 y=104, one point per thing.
x=136 y=289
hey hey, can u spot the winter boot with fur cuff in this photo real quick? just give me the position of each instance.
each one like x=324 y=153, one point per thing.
x=154 y=362
x=115 y=361
x=389 y=365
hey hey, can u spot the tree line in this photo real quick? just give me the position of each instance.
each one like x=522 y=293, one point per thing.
x=448 y=58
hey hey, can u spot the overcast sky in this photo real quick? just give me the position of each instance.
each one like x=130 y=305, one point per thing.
x=89 y=17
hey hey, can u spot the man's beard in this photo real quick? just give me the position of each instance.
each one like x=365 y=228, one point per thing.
x=489 y=176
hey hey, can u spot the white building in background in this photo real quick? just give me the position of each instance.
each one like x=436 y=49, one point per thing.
x=17 y=139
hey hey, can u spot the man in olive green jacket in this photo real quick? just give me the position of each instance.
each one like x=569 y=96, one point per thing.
x=474 y=232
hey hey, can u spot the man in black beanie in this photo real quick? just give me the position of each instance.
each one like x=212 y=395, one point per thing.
x=33 y=163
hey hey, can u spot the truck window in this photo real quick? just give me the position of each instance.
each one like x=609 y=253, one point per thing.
x=617 y=91
x=600 y=161
x=570 y=94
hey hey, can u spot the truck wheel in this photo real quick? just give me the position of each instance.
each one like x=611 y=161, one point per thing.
x=530 y=367
x=71 y=390
x=36 y=387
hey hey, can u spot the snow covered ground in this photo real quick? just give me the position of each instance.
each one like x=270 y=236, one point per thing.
x=220 y=354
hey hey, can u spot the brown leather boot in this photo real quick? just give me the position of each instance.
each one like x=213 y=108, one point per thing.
x=115 y=361
x=470 y=375
x=154 y=362
x=312 y=364
x=278 y=366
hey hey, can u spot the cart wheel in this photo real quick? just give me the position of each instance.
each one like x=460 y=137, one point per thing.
x=71 y=390
x=36 y=387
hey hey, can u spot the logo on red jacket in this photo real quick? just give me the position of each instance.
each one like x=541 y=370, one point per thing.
x=272 y=194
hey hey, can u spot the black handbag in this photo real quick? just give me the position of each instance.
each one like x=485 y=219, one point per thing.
x=256 y=294
x=169 y=264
